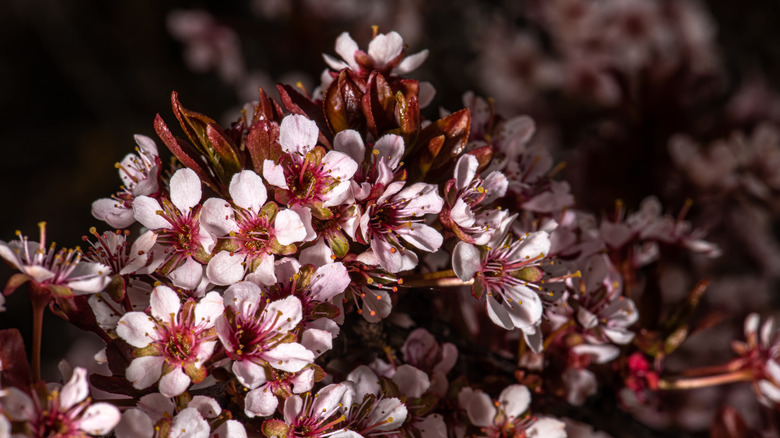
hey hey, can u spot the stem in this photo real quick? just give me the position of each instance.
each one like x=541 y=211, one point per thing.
x=732 y=366
x=38 y=309
x=703 y=382
x=559 y=331
x=432 y=279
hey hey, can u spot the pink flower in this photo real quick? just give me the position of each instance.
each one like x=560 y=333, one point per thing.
x=509 y=276
x=156 y=412
x=313 y=286
x=306 y=175
x=52 y=273
x=377 y=169
x=66 y=412
x=313 y=415
x=257 y=335
x=504 y=417
x=112 y=250
x=174 y=340
x=385 y=53
x=176 y=223
x=467 y=197
x=250 y=230
x=399 y=213
x=140 y=175
x=759 y=353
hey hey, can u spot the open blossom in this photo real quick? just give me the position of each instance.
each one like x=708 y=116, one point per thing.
x=385 y=53
x=307 y=175
x=257 y=335
x=157 y=415
x=176 y=222
x=311 y=416
x=65 y=412
x=378 y=168
x=506 y=416
x=250 y=230
x=465 y=199
x=399 y=213
x=52 y=273
x=759 y=353
x=113 y=250
x=140 y=175
x=508 y=274
x=174 y=339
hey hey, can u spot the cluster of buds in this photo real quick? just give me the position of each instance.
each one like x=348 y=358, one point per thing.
x=279 y=257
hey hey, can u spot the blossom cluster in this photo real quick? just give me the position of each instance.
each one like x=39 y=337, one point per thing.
x=265 y=282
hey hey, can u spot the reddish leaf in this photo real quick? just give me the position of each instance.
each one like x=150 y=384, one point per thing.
x=119 y=354
x=228 y=162
x=193 y=123
x=262 y=143
x=15 y=370
x=264 y=110
x=118 y=385
x=182 y=151
x=483 y=154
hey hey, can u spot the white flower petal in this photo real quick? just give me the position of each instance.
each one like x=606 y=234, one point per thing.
x=410 y=63
x=411 y=381
x=248 y=191
x=466 y=260
x=289 y=228
x=137 y=328
x=99 y=419
x=230 y=429
x=290 y=357
x=274 y=174
x=498 y=313
x=134 y=424
x=317 y=341
x=188 y=275
x=249 y=373
x=165 y=304
x=480 y=409
x=422 y=236
x=145 y=211
x=113 y=212
x=76 y=390
x=298 y=134
x=346 y=48
x=350 y=143
x=208 y=309
x=260 y=402
x=225 y=268
x=217 y=216
x=329 y=280
x=207 y=407
x=515 y=400
x=465 y=170
x=185 y=189
x=174 y=383
x=189 y=424
x=144 y=372
x=384 y=48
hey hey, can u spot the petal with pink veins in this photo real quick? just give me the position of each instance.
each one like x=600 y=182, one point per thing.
x=329 y=280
